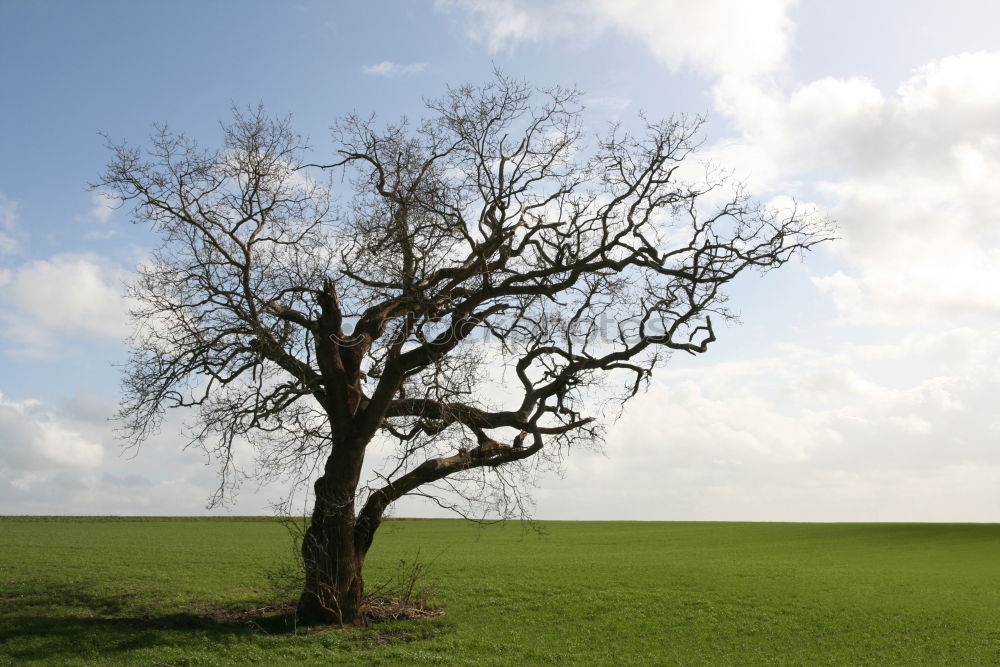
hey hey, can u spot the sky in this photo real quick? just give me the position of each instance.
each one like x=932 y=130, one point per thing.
x=860 y=384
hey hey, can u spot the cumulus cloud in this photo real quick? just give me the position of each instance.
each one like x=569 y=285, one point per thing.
x=33 y=438
x=389 y=68
x=719 y=37
x=716 y=37
x=910 y=175
x=46 y=300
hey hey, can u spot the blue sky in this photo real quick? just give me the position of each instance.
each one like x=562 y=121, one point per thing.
x=860 y=384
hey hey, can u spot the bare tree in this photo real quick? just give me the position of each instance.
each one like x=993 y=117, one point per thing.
x=486 y=247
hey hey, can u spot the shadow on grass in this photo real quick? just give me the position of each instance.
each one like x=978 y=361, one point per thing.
x=60 y=625
x=25 y=636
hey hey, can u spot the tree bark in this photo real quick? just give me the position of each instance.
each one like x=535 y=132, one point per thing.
x=332 y=555
x=333 y=564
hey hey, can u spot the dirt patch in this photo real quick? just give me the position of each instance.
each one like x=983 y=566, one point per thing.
x=249 y=615
x=279 y=618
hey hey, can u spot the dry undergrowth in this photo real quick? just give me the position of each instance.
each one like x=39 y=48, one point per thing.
x=376 y=609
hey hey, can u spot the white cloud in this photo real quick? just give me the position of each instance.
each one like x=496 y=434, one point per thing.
x=389 y=68
x=33 y=438
x=8 y=224
x=63 y=458
x=66 y=295
x=808 y=434
x=719 y=37
x=103 y=205
x=715 y=36
x=909 y=175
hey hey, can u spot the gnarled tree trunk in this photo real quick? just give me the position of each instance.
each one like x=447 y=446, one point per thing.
x=333 y=583
x=333 y=555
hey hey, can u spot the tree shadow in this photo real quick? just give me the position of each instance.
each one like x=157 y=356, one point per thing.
x=66 y=624
x=57 y=624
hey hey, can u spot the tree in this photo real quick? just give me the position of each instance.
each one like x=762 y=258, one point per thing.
x=485 y=247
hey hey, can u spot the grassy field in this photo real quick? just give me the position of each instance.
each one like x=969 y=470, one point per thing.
x=137 y=591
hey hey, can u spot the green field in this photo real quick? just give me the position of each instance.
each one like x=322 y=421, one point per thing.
x=170 y=592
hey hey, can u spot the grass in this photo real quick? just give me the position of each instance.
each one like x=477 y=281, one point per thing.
x=137 y=591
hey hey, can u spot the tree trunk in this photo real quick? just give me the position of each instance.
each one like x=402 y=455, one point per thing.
x=333 y=554
x=333 y=565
